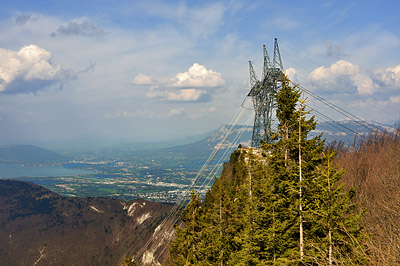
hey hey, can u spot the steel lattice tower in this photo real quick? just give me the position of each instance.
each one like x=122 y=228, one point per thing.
x=263 y=95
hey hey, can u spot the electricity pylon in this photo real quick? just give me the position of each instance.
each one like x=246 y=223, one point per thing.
x=263 y=95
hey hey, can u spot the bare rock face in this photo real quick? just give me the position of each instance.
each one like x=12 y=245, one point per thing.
x=39 y=227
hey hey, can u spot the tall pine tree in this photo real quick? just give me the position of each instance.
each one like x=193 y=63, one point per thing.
x=335 y=233
x=284 y=171
x=283 y=208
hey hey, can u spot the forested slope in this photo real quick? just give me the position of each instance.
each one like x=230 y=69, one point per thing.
x=281 y=204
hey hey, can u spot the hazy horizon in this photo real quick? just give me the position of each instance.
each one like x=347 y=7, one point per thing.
x=155 y=71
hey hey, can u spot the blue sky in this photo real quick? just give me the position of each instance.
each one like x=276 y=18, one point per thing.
x=156 y=70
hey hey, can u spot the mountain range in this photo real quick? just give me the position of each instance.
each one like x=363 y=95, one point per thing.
x=193 y=153
x=29 y=154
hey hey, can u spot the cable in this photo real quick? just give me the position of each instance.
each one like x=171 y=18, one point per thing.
x=228 y=151
x=184 y=195
x=328 y=81
x=216 y=168
x=340 y=110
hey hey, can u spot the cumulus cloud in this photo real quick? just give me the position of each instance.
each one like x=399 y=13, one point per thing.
x=342 y=75
x=181 y=95
x=29 y=70
x=340 y=68
x=74 y=29
x=194 y=85
x=198 y=76
x=389 y=77
x=141 y=79
x=364 y=84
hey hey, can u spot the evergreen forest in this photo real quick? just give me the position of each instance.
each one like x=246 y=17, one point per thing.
x=286 y=203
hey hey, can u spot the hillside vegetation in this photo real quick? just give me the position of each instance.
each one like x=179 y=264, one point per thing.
x=39 y=227
x=373 y=167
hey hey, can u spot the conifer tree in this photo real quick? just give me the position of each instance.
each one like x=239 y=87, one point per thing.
x=184 y=250
x=258 y=230
x=234 y=203
x=285 y=208
x=332 y=231
x=213 y=237
x=291 y=150
x=249 y=249
x=335 y=233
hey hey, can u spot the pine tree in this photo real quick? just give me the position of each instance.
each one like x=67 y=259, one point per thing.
x=315 y=219
x=213 y=237
x=335 y=235
x=291 y=152
x=250 y=247
x=285 y=208
x=184 y=248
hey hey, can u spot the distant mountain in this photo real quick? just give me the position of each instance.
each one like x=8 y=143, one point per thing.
x=337 y=130
x=238 y=134
x=29 y=154
x=40 y=227
x=346 y=131
x=193 y=155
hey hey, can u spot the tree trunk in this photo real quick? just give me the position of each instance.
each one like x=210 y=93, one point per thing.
x=300 y=185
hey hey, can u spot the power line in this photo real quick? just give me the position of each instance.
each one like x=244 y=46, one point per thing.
x=331 y=83
x=340 y=110
x=185 y=194
x=216 y=168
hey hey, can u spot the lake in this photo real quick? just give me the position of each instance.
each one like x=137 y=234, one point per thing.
x=10 y=170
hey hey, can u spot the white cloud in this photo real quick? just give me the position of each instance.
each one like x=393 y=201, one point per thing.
x=389 y=77
x=345 y=76
x=194 y=85
x=364 y=84
x=198 y=76
x=340 y=68
x=291 y=73
x=182 y=95
x=342 y=75
x=175 y=112
x=29 y=69
x=185 y=95
x=141 y=79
